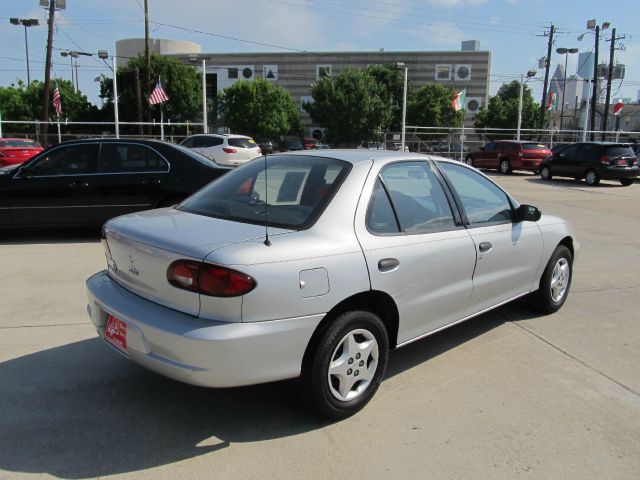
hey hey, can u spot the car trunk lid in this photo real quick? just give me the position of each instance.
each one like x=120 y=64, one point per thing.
x=140 y=247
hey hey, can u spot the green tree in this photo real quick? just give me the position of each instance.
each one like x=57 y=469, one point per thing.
x=352 y=106
x=502 y=111
x=259 y=109
x=182 y=83
x=390 y=79
x=430 y=106
x=22 y=102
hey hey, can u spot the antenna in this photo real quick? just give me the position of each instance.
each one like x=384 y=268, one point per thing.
x=267 y=242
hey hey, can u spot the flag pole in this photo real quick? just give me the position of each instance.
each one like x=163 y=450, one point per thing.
x=115 y=98
x=161 y=123
x=59 y=135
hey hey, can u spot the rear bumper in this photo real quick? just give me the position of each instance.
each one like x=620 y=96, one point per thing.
x=197 y=351
x=618 y=173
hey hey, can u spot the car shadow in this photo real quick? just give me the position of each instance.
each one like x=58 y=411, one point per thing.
x=571 y=183
x=80 y=410
x=49 y=236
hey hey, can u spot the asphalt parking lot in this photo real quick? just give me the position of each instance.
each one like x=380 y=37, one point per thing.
x=506 y=395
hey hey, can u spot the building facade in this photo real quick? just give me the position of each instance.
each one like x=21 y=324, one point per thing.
x=295 y=72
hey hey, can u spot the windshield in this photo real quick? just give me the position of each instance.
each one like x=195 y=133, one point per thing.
x=242 y=142
x=19 y=143
x=534 y=146
x=618 y=151
x=293 y=193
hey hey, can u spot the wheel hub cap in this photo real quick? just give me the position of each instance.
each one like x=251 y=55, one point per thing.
x=560 y=279
x=353 y=365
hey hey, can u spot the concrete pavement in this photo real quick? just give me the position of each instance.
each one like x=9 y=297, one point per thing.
x=507 y=395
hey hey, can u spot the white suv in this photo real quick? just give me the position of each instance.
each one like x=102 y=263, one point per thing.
x=224 y=149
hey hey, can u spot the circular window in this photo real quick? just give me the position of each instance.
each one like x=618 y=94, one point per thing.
x=463 y=72
x=473 y=105
x=247 y=72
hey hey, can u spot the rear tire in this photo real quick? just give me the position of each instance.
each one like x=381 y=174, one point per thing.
x=592 y=178
x=545 y=173
x=555 y=282
x=626 y=181
x=504 y=167
x=344 y=365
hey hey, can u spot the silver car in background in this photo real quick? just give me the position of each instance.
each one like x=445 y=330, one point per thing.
x=317 y=264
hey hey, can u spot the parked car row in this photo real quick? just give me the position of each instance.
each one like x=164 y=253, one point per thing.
x=592 y=161
x=14 y=151
x=505 y=156
x=86 y=182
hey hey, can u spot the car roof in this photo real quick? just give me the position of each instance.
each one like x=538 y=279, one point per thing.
x=356 y=156
x=219 y=135
x=15 y=138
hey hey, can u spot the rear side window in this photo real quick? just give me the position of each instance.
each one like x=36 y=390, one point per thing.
x=418 y=201
x=118 y=158
x=293 y=192
x=241 y=142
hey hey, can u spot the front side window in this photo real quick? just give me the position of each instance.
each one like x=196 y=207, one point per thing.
x=418 y=201
x=292 y=194
x=482 y=200
x=67 y=160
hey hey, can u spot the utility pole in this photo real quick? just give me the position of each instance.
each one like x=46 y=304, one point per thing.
x=47 y=76
x=139 y=101
x=594 y=97
x=609 y=80
x=546 y=77
x=147 y=56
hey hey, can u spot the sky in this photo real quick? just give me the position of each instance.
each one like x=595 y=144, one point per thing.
x=512 y=30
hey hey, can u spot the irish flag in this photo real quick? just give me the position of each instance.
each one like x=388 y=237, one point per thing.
x=553 y=101
x=458 y=100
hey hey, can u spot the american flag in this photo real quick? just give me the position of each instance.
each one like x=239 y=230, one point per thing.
x=158 y=95
x=57 y=102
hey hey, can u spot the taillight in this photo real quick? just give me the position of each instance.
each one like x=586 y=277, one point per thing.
x=229 y=150
x=209 y=279
x=604 y=160
x=635 y=161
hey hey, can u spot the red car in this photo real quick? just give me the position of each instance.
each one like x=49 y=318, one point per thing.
x=508 y=155
x=309 y=143
x=14 y=151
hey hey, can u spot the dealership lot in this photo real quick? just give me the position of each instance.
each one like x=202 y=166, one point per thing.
x=506 y=395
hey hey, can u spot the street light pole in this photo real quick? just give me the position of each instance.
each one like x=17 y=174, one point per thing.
x=401 y=65
x=530 y=74
x=565 y=52
x=26 y=22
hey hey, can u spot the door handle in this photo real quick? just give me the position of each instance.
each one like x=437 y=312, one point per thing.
x=79 y=185
x=151 y=181
x=485 y=247
x=388 y=264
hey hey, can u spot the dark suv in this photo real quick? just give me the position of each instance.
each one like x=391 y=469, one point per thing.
x=508 y=155
x=593 y=161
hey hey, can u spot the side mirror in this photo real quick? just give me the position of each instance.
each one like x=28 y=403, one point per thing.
x=25 y=172
x=527 y=213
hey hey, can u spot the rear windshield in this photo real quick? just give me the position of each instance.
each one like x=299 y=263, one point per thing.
x=19 y=143
x=618 y=151
x=242 y=142
x=534 y=146
x=293 y=193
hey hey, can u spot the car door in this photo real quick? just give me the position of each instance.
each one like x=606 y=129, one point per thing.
x=55 y=188
x=130 y=177
x=584 y=158
x=508 y=253
x=483 y=158
x=415 y=247
x=564 y=162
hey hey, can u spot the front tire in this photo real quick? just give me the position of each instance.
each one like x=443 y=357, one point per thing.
x=555 y=282
x=344 y=365
x=592 y=178
x=626 y=181
x=504 y=167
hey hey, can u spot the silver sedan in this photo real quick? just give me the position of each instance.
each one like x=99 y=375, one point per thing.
x=316 y=265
